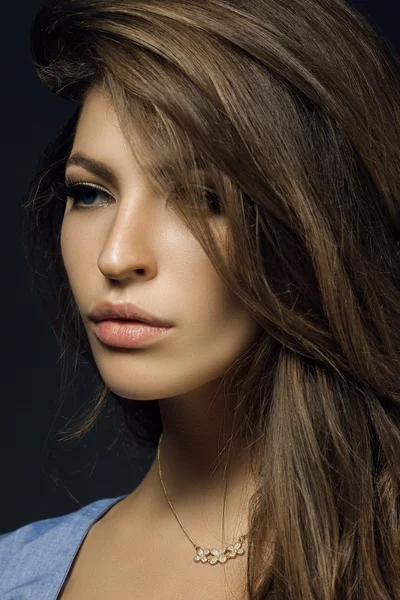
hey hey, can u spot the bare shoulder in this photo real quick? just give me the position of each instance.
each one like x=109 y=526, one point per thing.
x=124 y=553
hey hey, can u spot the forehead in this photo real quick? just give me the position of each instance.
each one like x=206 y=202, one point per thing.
x=98 y=120
x=147 y=157
x=99 y=137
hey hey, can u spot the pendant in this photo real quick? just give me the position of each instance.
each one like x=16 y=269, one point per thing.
x=222 y=555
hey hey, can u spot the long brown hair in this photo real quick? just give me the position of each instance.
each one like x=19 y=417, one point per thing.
x=291 y=107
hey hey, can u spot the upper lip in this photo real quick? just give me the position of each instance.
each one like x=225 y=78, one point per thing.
x=126 y=310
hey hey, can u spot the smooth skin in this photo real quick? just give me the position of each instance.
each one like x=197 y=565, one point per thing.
x=132 y=248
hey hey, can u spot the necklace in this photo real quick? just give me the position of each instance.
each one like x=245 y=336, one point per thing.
x=221 y=555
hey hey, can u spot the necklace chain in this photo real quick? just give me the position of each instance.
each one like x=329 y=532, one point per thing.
x=205 y=555
x=166 y=495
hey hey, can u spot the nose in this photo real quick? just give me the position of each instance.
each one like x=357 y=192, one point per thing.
x=128 y=250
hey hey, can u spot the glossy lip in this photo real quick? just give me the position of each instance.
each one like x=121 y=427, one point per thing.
x=126 y=310
x=125 y=334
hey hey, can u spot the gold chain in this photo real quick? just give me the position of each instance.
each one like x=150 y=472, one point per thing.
x=215 y=555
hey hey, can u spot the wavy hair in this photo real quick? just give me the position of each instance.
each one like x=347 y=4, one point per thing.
x=292 y=109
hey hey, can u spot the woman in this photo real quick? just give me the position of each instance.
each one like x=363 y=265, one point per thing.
x=222 y=216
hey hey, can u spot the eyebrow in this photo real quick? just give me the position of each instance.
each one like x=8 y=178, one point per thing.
x=94 y=166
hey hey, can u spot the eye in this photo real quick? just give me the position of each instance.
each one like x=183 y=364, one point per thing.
x=83 y=195
x=210 y=196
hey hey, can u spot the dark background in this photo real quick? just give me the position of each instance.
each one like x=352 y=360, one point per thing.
x=40 y=479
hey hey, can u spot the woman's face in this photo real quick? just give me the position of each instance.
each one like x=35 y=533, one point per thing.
x=131 y=248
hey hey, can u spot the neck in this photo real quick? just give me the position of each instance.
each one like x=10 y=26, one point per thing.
x=194 y=473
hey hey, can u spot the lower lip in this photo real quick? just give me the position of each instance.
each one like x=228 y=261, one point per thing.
x=127 y=334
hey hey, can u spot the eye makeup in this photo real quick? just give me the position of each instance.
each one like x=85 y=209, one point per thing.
x=81 y=192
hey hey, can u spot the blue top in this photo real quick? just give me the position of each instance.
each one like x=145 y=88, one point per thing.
x=36 y=558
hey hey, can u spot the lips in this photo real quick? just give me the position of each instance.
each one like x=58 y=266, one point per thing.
x=125 y=312
x=123 y=320
x=128 y=334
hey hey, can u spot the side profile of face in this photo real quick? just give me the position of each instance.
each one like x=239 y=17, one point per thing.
x=129 y=247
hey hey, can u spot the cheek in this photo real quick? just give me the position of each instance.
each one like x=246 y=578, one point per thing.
x=75 y=255
x=69 y=250
x=66 y=246
x=232 y=334
x=220 y=325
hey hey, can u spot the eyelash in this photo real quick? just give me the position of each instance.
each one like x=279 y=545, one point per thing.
x=73 y=190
